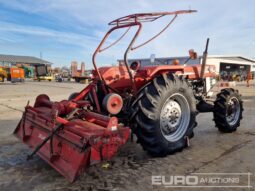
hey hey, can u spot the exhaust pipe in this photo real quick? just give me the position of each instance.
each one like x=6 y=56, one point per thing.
x=204 y=59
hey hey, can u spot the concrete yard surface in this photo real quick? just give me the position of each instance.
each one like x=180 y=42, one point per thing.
x=132 y=169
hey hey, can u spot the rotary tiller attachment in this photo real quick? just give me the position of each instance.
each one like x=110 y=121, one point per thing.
x=69 y=137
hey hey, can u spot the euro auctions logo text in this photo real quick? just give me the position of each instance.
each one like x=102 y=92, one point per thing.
x=240 y=180
x=175 y=180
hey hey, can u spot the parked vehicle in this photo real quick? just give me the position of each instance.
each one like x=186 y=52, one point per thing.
x=3 y=74
x=15 y=74
x=29 y=71
x=42 y=74
x=48 y=77
x=81 y=75
x=58 y=78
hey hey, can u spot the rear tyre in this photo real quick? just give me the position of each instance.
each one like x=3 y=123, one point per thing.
x=228 y=110
x=166 y=115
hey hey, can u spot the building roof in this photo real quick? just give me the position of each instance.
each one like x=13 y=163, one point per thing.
x=23 y=59
x=233 y=57
x=183 y=59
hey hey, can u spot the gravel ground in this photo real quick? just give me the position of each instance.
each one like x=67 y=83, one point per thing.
x=210 y=150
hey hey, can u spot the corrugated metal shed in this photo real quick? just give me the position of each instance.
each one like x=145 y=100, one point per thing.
x=23 y=59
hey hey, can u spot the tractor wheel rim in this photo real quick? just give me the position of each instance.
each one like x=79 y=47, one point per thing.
x=174 y=117
x=233 y=111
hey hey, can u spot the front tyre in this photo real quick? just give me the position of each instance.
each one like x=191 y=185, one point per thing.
x=228 y=110
x=166 y=115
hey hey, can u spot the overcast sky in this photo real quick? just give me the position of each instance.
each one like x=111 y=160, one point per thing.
x=66 y=30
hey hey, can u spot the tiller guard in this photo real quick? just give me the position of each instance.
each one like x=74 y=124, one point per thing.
x=71 y=143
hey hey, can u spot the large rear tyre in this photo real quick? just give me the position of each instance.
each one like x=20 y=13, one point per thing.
x=166 y=115
x=228 y=110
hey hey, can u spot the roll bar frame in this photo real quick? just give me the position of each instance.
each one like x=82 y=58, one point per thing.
x=128 y=22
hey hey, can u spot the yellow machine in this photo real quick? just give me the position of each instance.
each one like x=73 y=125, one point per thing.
x=48 y=77
x=3 y=74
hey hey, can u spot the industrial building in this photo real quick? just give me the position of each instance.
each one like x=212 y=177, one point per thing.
x=232 y=66
x=13 y=60
x=226 y=66
x=28 y=63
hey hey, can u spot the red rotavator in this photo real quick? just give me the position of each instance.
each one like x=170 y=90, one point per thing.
x=159 y=103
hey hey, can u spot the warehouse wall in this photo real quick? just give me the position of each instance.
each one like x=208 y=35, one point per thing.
x=216 y=62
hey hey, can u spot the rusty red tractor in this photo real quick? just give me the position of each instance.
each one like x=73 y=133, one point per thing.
x=158 y=104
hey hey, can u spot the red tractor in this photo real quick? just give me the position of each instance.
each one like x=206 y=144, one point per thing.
x=158 y=104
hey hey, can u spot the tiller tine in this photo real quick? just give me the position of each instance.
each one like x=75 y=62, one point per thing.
x=70 y=144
